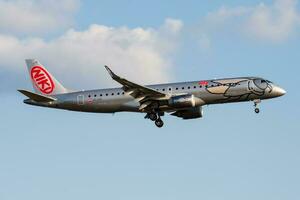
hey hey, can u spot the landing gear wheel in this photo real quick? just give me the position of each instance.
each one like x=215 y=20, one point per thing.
x=256 y=102
x=153 y=116
x=159 y=123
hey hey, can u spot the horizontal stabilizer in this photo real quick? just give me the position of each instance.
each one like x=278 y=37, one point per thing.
x=36 y=97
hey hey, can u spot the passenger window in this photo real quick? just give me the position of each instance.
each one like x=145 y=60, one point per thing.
x=182 y=88
x=163 y=89
x=106 y=94
x=118 y=93
x=89 y=96
x=189 y=87
x=170 y=89
x=177 y=88
x=123 y=93
x=95 y=95
x=195 y=87
x=100 y=95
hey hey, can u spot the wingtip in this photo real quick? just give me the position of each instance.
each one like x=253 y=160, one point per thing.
x=107 y=68
x=20 y=90
x=109 y=71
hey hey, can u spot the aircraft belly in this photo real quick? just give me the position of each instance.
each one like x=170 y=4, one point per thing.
x=132 y=106
x=105 y=106
x=93 y=105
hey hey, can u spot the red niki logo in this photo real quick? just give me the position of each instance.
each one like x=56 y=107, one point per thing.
x=203 y=83
x=42 y=79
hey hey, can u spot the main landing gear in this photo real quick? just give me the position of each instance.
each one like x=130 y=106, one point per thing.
x=256 y=102
x=155 y=116
x=159 y=123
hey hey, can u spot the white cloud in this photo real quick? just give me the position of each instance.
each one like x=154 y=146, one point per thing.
x=172 y=26
x=276 y=22
x=226 y=13
x=35 y=16
x=142 y=55
x=273 y=23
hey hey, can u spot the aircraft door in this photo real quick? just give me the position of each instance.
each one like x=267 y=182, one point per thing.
x=80 y=99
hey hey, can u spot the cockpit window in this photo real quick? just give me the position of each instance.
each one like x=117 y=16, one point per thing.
x=262 y=81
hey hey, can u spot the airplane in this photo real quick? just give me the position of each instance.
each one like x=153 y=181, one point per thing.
x=184 y=100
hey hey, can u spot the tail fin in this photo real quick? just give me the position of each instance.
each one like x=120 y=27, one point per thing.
x=43 y=82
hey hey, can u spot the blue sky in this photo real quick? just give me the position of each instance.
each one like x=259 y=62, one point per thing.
x=231 y=153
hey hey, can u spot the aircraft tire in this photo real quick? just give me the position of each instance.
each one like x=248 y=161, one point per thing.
x=153 y=116
x=159 y=123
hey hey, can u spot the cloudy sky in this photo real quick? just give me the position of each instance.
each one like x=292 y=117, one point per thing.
x=229 y=154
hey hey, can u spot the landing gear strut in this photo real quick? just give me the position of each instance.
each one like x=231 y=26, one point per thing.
x=256 y=102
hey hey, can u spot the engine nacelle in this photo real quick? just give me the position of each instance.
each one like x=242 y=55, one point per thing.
x=191 y=113
x=185 y=101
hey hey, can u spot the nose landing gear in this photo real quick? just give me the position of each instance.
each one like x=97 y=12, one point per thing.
x=256 y=102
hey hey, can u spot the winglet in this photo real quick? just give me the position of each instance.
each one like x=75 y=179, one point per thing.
x=111 y=73
x=132 y=88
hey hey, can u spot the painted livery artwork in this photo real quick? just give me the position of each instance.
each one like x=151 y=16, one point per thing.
x=239 y=89
x=42 y=80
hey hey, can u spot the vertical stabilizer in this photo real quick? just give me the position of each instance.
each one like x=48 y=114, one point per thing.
x=43 y=82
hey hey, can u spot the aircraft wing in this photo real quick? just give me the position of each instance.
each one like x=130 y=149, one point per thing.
x=142 y=93
x=134 y=88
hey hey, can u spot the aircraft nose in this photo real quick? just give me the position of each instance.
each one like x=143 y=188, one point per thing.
x=278 y=91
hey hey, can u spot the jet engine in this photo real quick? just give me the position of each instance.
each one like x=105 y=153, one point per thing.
x=190 y=113
x=185 y=101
